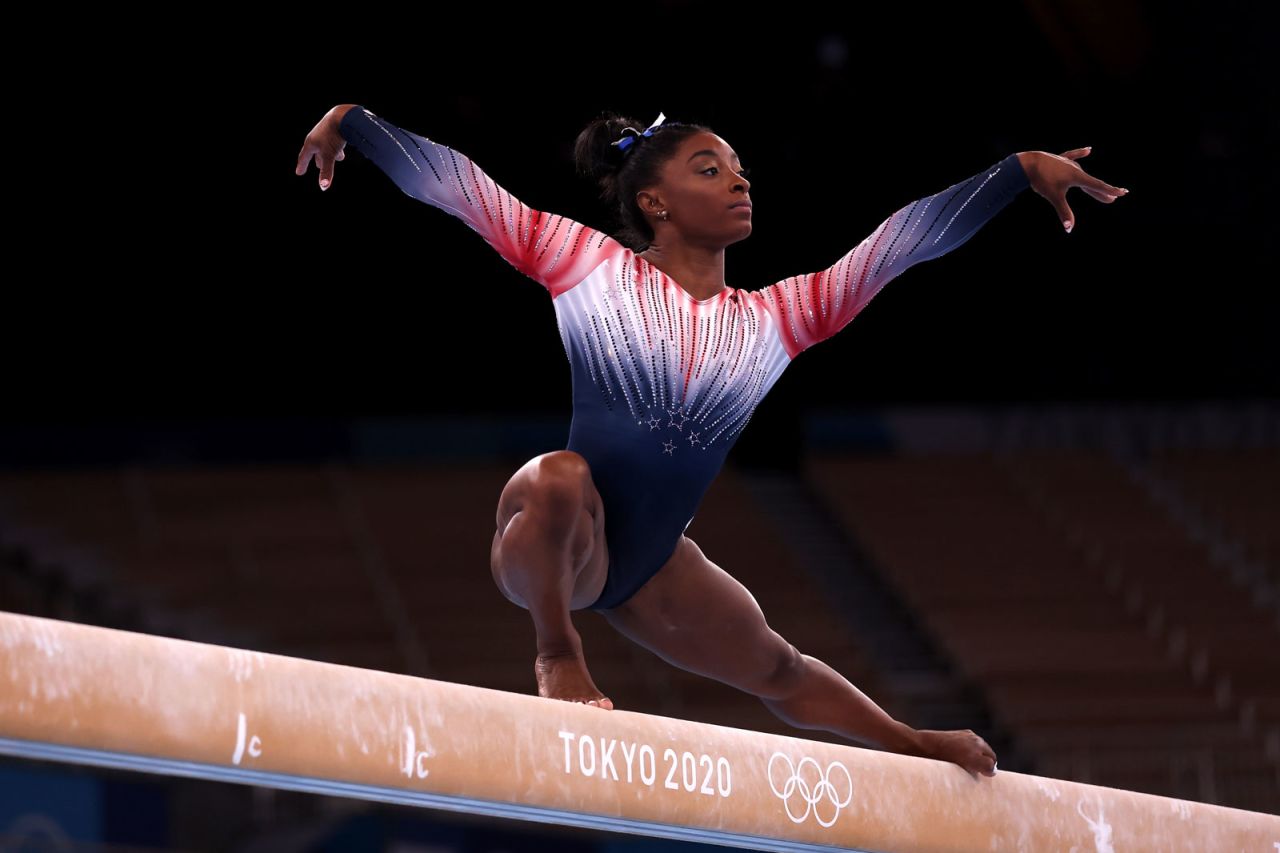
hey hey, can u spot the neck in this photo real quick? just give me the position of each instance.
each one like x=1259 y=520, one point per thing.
x=700 y=271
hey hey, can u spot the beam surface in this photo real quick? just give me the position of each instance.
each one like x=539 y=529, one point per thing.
x=98 y=696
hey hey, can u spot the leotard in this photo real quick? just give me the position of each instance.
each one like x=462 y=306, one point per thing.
x=664 y=383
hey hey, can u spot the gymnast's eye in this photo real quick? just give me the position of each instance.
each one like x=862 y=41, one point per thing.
x=745 y=171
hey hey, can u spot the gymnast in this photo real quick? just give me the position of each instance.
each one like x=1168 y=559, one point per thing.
x=668 y=362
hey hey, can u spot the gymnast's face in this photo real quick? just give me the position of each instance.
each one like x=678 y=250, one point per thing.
x=699 y=184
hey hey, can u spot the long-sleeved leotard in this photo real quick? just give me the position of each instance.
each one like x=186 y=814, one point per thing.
x=664 y=383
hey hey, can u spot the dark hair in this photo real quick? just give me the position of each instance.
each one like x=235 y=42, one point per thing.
x=620 y=174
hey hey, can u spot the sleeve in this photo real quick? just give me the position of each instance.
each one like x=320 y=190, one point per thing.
x=812 y=307
x=553 y=250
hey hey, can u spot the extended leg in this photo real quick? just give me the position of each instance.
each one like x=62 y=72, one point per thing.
x=698 y=617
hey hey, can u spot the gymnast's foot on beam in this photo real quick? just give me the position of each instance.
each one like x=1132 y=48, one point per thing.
x=564 y=676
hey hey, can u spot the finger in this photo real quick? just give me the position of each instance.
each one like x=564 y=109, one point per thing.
x=1065 y=216
x=1088 y=182
x=1077 y=153
x=303 y=156
x=1103 y=189
x=326 y=173
x=342 y=155
x=1106 y=187
x=1105 y=196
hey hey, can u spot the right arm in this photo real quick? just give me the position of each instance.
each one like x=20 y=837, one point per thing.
x=555 y=251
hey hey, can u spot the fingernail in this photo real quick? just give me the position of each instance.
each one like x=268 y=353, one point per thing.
x=324 y=185
x=1067 y=225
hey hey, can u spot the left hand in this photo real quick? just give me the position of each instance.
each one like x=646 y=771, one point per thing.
x=1052 y=175
x=961 y=747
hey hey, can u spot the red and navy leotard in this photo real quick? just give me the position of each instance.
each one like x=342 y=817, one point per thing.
x=663 y=383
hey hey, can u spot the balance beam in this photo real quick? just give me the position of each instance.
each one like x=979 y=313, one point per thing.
x=90 y=695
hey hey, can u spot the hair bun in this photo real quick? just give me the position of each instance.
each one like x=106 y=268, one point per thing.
x=620 y=158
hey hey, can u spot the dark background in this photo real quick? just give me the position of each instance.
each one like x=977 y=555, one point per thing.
x=185 y=274
x=175 y=293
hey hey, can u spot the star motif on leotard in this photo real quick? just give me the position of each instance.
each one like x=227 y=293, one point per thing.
x=612 y=292
x=693 y=438
x=669 y=447
x=674 y=413
x=654 y=423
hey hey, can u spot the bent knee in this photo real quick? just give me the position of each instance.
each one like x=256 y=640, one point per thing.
x=560 y=482
x=785 y=674
x=567 y=463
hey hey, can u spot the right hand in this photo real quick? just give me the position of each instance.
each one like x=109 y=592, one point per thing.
x=324 y=144
x=961 y=747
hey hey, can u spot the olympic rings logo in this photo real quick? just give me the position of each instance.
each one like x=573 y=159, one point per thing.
x=813 y=793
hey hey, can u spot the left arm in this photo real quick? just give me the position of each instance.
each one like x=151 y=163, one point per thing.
x=813 y=307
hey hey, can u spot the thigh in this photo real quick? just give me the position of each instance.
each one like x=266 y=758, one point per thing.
x=695 y=615
x=538 y=488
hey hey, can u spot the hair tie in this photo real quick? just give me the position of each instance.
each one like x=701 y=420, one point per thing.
x=627 y=141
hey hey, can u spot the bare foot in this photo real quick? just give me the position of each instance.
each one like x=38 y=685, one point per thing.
x=566 y=677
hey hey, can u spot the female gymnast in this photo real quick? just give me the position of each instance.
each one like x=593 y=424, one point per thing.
x=668 y=363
